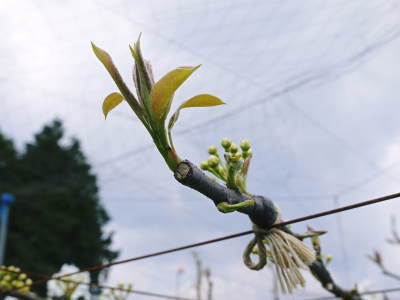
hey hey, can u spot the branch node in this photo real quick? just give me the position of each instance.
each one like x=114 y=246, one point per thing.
x=182 y=170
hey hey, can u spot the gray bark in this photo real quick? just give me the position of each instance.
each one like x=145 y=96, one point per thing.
x=262 y=213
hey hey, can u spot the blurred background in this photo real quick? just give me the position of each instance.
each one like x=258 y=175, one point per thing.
x=313 y=85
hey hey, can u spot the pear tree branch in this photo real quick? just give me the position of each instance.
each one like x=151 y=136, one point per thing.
x=262 y=213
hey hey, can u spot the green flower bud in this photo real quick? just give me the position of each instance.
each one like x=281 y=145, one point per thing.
x=247 y=154
x=28 y=281
x=226 y=143
x=204 y=165
x=11 y=268
x=245 y=145
x=5 y=285
x=236 y=157
x=22 y=277
x=213 y=161
x=25 y=289
x=7 y=278
x=212 y=150
x=15 y=283
x=233 y=149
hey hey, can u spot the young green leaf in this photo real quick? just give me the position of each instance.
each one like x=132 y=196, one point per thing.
x=202 y=100
x=142 y=78
x=145 y=77
x=106 y=60
x=162 y=93
x=110 y=102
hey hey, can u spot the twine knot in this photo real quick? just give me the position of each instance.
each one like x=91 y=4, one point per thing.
x=258 y=239
x=286 y=252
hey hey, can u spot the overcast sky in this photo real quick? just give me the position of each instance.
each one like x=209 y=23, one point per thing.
x=313 y=85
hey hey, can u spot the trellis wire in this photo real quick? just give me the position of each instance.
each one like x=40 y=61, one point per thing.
x=100 y=286
x=223 y=238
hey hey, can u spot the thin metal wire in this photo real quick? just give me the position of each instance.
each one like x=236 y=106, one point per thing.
x=227 y=237
x=138 y=292
x=100 y=286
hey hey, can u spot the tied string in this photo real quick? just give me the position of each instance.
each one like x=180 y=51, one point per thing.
x=257 y=240
x=286 y=252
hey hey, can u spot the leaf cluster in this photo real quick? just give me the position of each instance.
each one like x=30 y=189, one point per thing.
x=153 y=100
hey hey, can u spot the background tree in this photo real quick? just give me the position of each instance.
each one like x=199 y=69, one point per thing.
x=57 y=217
x=8 y=164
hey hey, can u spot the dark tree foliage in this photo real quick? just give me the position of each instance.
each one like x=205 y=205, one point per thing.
x=57 y=217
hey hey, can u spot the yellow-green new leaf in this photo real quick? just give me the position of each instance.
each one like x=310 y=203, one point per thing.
x=202 y=100
x=111 y=102
x=106 y=60
x=163 y=91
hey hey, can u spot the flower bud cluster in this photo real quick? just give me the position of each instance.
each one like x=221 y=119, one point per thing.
x=231 y=149
x=233 y=170
x=120 y=293
x=69 y=285
x=11 y=278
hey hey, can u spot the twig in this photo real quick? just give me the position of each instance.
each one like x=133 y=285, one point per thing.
x=391 y=290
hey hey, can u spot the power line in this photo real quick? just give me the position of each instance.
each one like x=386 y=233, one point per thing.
x=339 y=140
x=291 y=197
x=223 y=238
x=271 y=95
x=100 y=286
x=144 y=293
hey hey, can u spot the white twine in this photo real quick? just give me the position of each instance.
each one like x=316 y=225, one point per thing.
x=288 y=253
